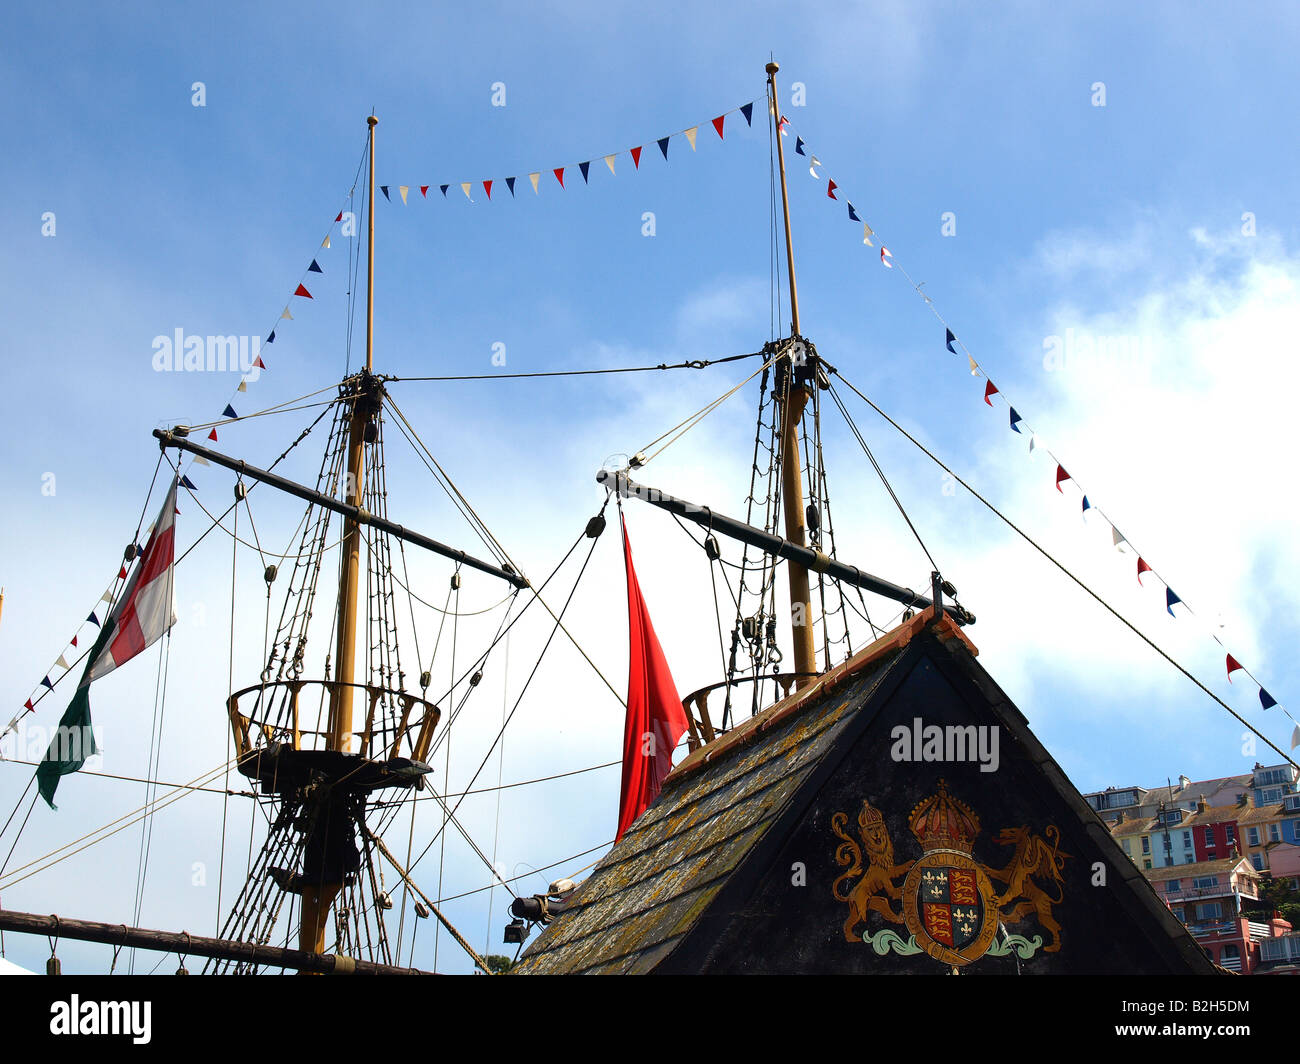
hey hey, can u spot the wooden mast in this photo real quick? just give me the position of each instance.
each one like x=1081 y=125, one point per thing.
x=318 y=898
x=792 y=406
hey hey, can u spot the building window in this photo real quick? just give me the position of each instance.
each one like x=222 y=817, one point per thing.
x=1187 y=840
x=1174 y=886
x=1126 y=848
x=1210 y=910
x=1253 y=835
x=1257 y=860
x=1146 y=866
x=1274 y=833
x=1228 y=833
x=1202 y=882
x=1146 y=845
x=1209 y=836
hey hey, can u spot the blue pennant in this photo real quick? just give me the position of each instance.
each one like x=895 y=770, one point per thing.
x=1014 y=419
x=46 y=682
x=271 y=339
x=384 y=190
x=853 y=215
x=444 y=190
x=314 y=267
x=510 y=184
x=798 y=147
x=92 y=619
x=188 y=483
x=229 y=411
x=584 y=167
x=1170 y=599
x=1086 y=505
x=748 y=111
x=949 y=340
x=663 y=146
x=1266 y=700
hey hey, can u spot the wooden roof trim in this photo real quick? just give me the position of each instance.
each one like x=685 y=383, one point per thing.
x=886 y=646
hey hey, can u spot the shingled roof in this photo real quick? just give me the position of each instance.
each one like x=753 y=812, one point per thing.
x=739 y=863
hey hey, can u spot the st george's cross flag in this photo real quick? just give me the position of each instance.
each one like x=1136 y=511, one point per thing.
x=142 y=615
x=655 y=717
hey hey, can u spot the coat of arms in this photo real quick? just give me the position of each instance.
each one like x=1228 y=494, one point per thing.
x=947 y=900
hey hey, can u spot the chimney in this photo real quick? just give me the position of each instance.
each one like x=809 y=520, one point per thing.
x=1201 y=804
x=1183 y=781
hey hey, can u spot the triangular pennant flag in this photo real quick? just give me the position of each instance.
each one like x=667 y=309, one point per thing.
x=465 y=187
x=271 y=339
x=990 y=390
x=1170 y=599
x=885 y=256
x=285 y=315
x=188 y=483
x=636 y=158
x=105 y=597
x=1116 y=538
x=609 y=161
x=748 y=111
x=663 y=146
x=302 y=291
x=949 y=339
x=559 y=175
x=782 y=124
x=424 y=191
x=1086 y=505
x=314 y=267
x=975 y=372
x=584 y=167
x=510 y=184
x=1266 y=700
x=1142 y=568
x=403 y=190
x=74 y=640
x=213 y=435
x=326 y=242
x=487 y=187
x=1295 y=737
x=121 y=573
x=46 y=681
x=831 y=186
x=1061 y=477
x=384 y=190
x=717 y=124
x=798 y=147
x=443 y=190
x=259 y=363
x=28 y=705
x=867 y=233
x=62 y=662
x=690 y=135
x=1014 y=419
x=853 y=215
x=229 y=412
x=534 y=178
x=340 y=217
x=1233 y=666
x=200 y=460
x=243 y=386
x=812 y=169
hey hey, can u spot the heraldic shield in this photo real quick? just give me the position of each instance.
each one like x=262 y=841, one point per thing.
x=947 y=901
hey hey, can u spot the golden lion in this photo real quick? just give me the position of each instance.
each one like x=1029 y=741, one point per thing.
x=877 y=877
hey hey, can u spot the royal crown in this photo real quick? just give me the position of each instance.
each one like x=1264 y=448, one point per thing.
x=943 y=823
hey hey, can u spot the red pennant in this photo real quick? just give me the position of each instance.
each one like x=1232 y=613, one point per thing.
x=1061 y=475
x=424 y=190
x=259 y=363
x=717 y=124
x=990 y=389
x=28 y=704
x=636 y=158
x=1142 y=568
x=74 y=640
x=121 y=575
x=831 y=186
x=487 y=187
x=213 y=435
x=302 y=291
x=340 y=217
x=559 y=175
x=1233 y=666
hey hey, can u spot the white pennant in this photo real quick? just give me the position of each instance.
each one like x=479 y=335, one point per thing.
x=1295 y=738
x=812 y=169
x=1117 y=538
x=609 y=161
x=200 y=460
x=534 y=178
x=62 y=662
x=975 y=372
x=286 y=314
x=243 y=387
x=690 y=135
x=465 y=187
x=866 y=235
x=326 y=242
x=403 y=189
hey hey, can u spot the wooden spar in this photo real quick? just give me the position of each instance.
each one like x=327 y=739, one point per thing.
x=186 y=945
x=793 y=398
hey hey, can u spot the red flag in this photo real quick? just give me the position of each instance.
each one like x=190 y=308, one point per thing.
x=424 y=191
x=636 y=158
x=1233 y=666
x=717 y=124
x=655 y=717
x=340 y=217
x=212 y=435
x=1061 y=475
x=559 y=175
x=1142 y=568
x=487 y=187
x=990 y=389
x=831 y=186
x=259 y=363
x=302 y=291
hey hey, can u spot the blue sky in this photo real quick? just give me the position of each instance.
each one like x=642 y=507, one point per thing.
x=1123 y=222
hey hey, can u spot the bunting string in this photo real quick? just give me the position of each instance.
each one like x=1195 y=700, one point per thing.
x=1017 y=424
x=401 y=194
